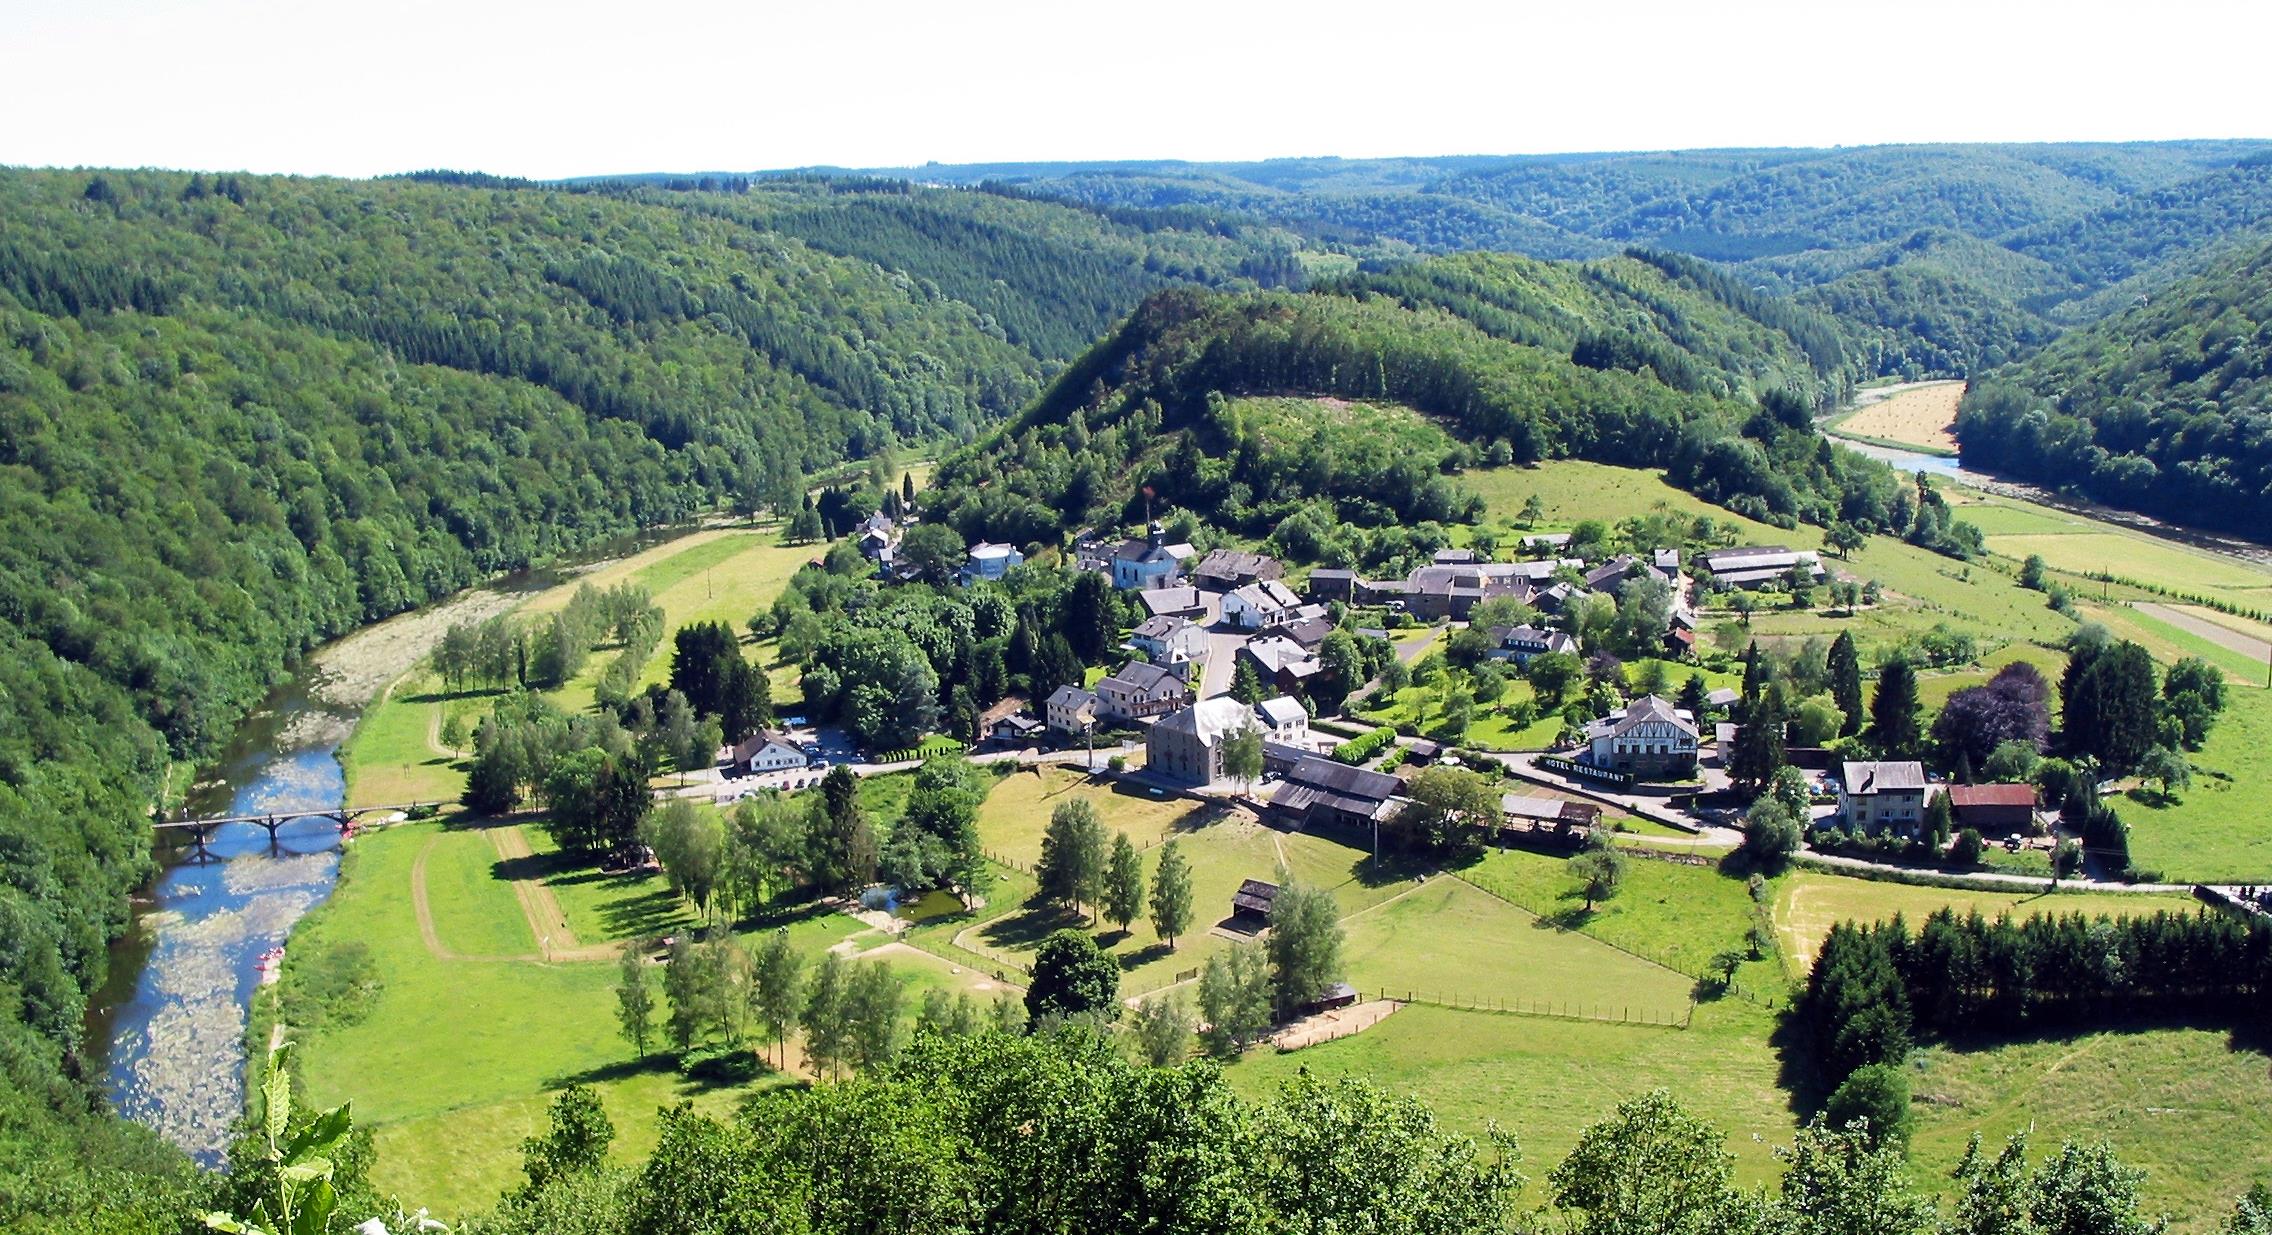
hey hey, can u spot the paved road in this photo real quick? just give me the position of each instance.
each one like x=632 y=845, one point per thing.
x=2223 y=636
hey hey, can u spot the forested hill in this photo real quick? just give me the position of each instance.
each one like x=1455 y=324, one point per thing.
x=242 y=415
x=1641 y=361
x=1935 y=260
x=2165 y=407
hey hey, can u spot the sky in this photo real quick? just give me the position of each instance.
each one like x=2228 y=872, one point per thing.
x=547 y=88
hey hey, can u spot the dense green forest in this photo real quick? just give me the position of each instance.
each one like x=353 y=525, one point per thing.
x=240 y=416
x=1144 y=409
x=1934 y=260
x=2165 y=407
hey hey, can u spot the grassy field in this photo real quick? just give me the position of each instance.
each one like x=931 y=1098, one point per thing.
x=723 y=576
x=1450 y=942
x=1545 y=1080
x=1671 y=912
x=2217 y=830
x=2181 y=1103
x=1810 y=903
x=1016 y=812
x=391 y=757
x=2080 y=545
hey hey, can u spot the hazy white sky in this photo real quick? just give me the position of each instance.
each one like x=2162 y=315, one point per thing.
x=565 y=87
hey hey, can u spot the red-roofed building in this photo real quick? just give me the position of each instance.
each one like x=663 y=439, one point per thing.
x=2002 y=807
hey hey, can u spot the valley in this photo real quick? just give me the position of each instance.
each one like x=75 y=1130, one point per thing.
x=934 y=695
x=445 y=912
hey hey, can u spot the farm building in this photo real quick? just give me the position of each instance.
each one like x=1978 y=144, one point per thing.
x=1999 y=808
x=1757 y=565
x=1321 y=791
x=1226 y=569
x=1332 y=584
x=1250 y=905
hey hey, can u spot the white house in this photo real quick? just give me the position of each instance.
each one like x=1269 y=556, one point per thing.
x=1187 y=745
x=1649 y=738
x=1260 y=605
x=767 y=753
x=1283 y=720
x=1522 y=643
x=1172 y=643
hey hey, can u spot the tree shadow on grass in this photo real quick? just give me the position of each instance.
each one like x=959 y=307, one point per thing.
x=1024 y=930
x=451 y=696
x=1144 y=956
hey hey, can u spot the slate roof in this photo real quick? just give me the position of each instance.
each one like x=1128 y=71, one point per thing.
x=1896 y=776
x=1144 y=678
x=1644 y=710
x=1254 y=896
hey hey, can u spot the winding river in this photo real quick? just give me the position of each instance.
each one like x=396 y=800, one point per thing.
x=167 y=1030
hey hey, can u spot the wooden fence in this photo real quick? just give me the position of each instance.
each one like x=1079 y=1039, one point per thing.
x=1554 y=1009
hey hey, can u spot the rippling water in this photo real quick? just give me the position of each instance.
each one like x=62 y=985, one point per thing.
x=172 y=1027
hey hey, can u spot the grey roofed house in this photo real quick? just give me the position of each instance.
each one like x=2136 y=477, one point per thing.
x=1138 y=675
x=1309 y=632
x=1545 y=540
x=1456 y=557
x=1224 y=569
x=1896 y=776
x=1159 y=627
x=1171 y=601
x=1722 y=697
x=1281 y=660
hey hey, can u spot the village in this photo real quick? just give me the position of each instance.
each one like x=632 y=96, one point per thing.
x=1214 y=698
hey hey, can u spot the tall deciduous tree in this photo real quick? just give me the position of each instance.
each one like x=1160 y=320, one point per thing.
x=1072 y=976
x=1304 y=946
x=1845 y=671
x=776 y=988
x=1072 y=867
x=635 y=999
x=1124 y=883
x=1171 y=895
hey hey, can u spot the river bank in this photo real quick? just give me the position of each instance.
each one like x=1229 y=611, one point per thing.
x=167 y=1030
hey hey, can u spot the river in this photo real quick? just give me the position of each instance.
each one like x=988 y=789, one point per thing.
x=169 y=1026
x=1940 y=467
x=167 y=1029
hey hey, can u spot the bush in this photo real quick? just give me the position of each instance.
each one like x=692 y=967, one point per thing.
x=1877 y=1094
x=1967 y=849
x=1118 y=763
x=1359 y=749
